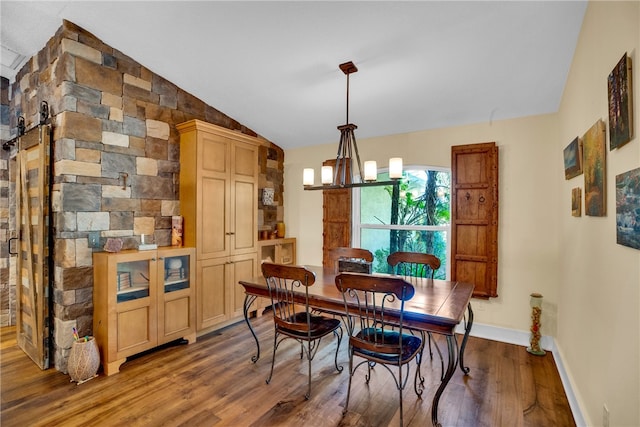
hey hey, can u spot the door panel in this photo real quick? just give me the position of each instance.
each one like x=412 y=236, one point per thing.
x=244 y=208
x=211 y=292
x=213 y=238
x=32 y=219
x=474 y=223
x=336 y=218
x=244 y=267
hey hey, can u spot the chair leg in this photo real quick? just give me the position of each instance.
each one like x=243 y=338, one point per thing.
x=418 y=382
x=339 y=336
x=400 y=387
x=346 y=405
x=308 y=395
x=273 y=359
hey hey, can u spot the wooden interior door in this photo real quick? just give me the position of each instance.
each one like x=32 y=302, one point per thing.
x=336 y=224
x=32 y=222
x=474 y=222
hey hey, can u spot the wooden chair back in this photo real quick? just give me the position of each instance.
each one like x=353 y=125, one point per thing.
x=359 y=254
x=368 y=301
x=283 y=281
x=413 y=264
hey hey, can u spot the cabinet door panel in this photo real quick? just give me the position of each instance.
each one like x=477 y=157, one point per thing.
x=176 y=290
x=243 y=267
x=215 y=154
x=176 y=316
x=246 y=230
x=211 y=280
x=212 y=235
x=246 y=160
x=134 y=332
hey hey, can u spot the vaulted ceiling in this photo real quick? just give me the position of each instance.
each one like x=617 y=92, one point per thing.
x=273 y=66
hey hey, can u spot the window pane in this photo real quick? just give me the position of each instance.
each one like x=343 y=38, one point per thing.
x=375 y=202
x=423 y=199
x=378 y=241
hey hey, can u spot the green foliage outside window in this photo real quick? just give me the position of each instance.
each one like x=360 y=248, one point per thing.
x=413 y=216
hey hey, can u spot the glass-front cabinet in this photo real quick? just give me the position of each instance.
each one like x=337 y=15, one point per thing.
x=142 y=299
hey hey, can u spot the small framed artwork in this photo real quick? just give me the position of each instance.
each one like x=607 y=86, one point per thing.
x=595 y=170
x=620 y=103
x=267 y=196
x=576 y=201
x=628 y=209
x=573 y=159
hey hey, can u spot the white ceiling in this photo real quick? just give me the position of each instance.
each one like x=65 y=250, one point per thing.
x=273 y=66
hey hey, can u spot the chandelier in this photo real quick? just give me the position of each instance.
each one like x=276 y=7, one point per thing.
x=343 y=175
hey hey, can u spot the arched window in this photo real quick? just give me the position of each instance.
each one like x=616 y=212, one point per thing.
x=413 y=216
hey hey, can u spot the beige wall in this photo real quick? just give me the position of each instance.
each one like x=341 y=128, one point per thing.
x=599 y=300
x=528 y=235
x=590 y=284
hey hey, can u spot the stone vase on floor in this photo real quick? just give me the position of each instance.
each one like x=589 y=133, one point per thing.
x=84 y=360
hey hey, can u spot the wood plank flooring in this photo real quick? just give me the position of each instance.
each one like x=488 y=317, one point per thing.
x=213 y=383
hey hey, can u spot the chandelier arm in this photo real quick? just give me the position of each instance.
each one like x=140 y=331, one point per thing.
x=355 y=148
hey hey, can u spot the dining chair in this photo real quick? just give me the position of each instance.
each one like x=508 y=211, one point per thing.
x=375 y=308
x=292 y=317
x=414 y=264
x=346 y=253
x=417 y=265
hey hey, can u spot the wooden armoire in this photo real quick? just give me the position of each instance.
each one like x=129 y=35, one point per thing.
x=218 y=202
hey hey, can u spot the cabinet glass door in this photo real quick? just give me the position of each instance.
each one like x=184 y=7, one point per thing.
x=132 y=279
x=176 y=273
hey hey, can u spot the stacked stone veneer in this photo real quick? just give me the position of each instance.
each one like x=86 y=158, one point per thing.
x=116 y=159
x=7 y=286
x=271 y=159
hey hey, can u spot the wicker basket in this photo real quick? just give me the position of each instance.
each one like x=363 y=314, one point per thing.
x=84 y=360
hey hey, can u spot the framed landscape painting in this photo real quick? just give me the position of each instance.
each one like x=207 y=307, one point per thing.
x=576 y=201
x=573 y=159
x=620 y=103
x=628 y=208
x=595 y=170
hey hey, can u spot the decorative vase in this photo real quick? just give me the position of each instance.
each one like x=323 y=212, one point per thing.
x=536 y=311
x=84 y=360
x=280 y=229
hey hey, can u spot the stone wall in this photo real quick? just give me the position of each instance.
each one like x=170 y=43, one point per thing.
x=116 y=159
x=7 y=286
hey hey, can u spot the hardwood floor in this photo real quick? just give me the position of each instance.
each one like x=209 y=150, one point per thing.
x=213 y=383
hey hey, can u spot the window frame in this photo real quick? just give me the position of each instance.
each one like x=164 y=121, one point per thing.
x=356 y=225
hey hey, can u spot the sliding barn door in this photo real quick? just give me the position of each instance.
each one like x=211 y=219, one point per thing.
x=474 y=222
x=32 y=222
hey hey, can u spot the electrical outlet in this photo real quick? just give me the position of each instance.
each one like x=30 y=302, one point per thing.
x=94 y=239
x=605 y=416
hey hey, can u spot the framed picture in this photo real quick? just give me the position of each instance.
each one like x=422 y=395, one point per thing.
x=620 y=103
x=595 y=170
x=573 y=159
x=576 y=201
x=628 y=208
x=267 y=196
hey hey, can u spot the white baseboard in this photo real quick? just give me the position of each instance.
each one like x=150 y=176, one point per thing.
x=521 y=338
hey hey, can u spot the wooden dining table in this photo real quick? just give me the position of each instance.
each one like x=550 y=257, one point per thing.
x=438 y=306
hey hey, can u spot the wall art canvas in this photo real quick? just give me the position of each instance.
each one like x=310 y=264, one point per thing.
x=595 y=171
x=576 y=201
x=620 y=103
x=628 y=208
x=573 y=159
